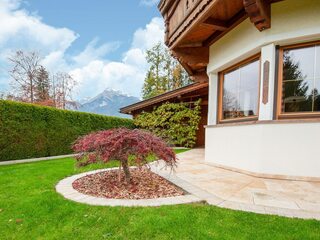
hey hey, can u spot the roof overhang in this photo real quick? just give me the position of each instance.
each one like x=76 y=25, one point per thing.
x=192 y=26
x=195 y=91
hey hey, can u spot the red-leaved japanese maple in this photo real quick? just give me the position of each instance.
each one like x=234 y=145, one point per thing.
x=121 y=144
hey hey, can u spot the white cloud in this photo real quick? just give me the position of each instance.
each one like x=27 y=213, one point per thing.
x=19 y=27
x=147 y=37
x=22 y=30
x=126 y=75
x=93 y=52
x=55 y=60
x=91 y=67
x=149 y=2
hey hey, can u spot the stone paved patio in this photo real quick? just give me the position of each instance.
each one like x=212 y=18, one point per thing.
x=234 y=190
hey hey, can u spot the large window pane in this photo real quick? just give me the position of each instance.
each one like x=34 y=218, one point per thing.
x=241 y=91
x=317 y=81
x=301 y=80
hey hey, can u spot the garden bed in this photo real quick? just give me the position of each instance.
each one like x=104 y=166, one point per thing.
x=144 y=185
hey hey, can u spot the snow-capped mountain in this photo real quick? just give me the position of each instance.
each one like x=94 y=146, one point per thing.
x=108 y=103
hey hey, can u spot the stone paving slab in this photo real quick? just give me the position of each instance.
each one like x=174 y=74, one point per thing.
x=64 y=187
x=228 y=189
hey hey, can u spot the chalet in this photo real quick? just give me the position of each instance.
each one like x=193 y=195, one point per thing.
x=261 y=60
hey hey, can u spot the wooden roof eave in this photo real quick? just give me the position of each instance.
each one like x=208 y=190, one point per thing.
x=163 y=97
x=200 y=14
x=164 y=6
x=194 y=55
x=257 y=10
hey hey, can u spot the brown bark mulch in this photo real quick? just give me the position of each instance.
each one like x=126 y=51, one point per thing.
x=144 y=185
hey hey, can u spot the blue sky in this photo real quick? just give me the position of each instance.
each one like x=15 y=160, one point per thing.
x=100 y=43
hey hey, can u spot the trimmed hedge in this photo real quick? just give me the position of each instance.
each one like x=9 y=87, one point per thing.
x=31 y=131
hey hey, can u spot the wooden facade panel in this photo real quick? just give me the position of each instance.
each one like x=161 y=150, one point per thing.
x=180 y=12
x=200 y=142
x=182 y=19
x=265 y=92
x=177 y=16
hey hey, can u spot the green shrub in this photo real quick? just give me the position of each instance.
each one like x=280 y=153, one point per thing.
x=29 y=131
x=175 y=122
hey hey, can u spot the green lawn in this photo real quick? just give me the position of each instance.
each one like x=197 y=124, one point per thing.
x=31 y=209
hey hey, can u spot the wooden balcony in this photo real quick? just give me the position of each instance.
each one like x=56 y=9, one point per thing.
x=193 y=25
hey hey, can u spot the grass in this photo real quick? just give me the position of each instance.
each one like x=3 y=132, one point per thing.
x=31 y=209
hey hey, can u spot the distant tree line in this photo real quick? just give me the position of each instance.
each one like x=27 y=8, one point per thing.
x=165 y=72
x=32 y=83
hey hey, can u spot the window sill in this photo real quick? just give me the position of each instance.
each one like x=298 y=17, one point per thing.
x=299 y=116
x=280 y=121
x=239 y=120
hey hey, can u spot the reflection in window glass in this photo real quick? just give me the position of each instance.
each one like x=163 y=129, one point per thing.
x=301 y=80
x=241 y=92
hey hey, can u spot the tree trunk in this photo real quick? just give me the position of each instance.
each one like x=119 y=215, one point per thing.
x=31 y=87
x=126 y=171
x=119 y=174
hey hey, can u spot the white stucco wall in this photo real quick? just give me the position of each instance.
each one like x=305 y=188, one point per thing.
x=285 y=149
x=278 y=149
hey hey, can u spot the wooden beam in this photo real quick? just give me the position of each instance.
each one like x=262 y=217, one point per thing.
x=233 y=22
x=192 y=55
x=259 y=12
x=187 y=45
x=186 y=67
x=214 y=37
x=193 y=99
x=204 y=95
x=200 y=77
x=216 y=24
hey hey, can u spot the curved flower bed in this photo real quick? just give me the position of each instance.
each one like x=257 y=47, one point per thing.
x=144 y=185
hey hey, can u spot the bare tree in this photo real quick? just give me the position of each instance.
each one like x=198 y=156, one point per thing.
x=62 y=87
x=31 y=82
x=24 y=73
x=42 y=86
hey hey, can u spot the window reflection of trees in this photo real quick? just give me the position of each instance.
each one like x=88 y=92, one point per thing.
x=240 y=91
x=298 y=95
x=230 y=105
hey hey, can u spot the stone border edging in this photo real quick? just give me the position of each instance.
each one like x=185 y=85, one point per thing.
x=64 y=187
x=11 y=162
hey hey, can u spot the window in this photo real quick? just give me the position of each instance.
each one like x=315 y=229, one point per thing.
x=299 y=80
x=239 y=91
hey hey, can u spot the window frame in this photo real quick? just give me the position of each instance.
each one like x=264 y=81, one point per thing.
x=292 y=115
x=256 y=57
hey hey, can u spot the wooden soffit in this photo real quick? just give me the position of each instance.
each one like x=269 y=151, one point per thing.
x=193 y=25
